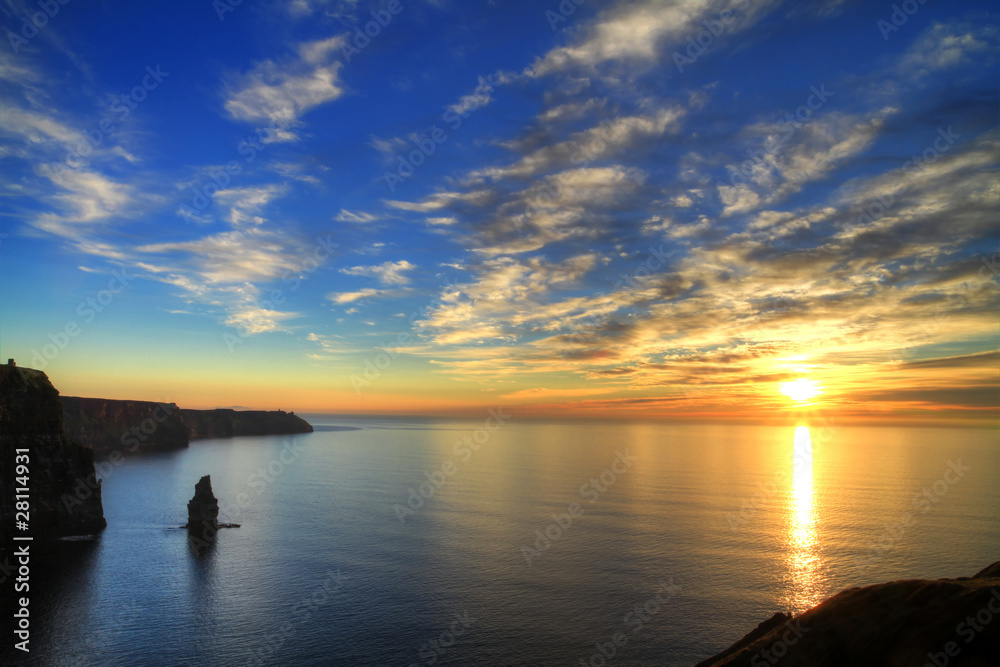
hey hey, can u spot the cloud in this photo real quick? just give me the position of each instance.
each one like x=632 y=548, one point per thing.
x=388 y=273
x=341 y=298
x=780 y=167
x=244 y=203
x=949 y=45
x=37 y=127
x=360 y=217
x=642 y=31
x=283 y=91
x=482 y=95
x=736 y=316
x=507 y=294
x=543 y=393
x=604 y=141
x=293 y=171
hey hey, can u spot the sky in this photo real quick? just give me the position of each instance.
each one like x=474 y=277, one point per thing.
x=719 y=209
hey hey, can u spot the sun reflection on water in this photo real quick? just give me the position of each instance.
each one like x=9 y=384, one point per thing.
x=802 y=558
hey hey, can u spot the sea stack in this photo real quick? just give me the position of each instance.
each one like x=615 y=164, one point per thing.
x=203 y=509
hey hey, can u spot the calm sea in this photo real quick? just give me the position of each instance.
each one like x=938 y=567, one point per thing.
x=419 y=542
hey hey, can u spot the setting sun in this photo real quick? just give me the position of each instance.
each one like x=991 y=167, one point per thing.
x=800 y=390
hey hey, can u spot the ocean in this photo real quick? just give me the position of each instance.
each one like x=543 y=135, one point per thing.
x=502 y=541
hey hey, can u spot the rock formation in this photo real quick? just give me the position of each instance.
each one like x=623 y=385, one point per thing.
x=227 y=423
x=203 y=517
x=918 y=622
x=106 y=425
x=64 y=492
x=203 y=509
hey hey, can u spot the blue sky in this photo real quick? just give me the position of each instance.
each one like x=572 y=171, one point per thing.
x=626 y=207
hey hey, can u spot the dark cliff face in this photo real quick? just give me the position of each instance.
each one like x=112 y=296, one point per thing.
x=203 y=508
x=225 y=423
x=106 y=425
x=65 y=496
x=918 y=622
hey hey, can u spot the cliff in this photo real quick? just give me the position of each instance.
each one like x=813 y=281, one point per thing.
x=953 y=622
x=106 y=425
x=64 y=493
x=225 y=423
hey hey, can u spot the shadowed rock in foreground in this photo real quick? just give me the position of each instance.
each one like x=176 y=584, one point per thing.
x=64 y=494
x=917 y=622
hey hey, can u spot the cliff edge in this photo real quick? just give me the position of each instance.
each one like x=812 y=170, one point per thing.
x=226 y=423
x=31 y=417
x=943 y=622
x=107 y=425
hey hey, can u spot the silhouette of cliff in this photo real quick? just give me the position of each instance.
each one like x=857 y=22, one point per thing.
x=226 y=423
x=64 y=493
x=954 y=622
x=106 y=425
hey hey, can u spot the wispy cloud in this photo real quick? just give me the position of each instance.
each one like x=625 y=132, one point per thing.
x=388 y=273
x=281 y=91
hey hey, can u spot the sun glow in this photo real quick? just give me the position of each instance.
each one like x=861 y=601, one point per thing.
x=800 y=390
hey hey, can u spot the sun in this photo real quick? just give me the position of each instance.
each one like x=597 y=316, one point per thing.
x=800 y=390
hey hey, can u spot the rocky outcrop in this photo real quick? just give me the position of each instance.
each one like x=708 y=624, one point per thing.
x=106 y=425
x=64 y=493
x=203 y=517
x=203 y=508
x=226 y=423
x=916 y=622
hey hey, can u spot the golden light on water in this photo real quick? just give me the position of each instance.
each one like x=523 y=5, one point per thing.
x=800 y=391
x=802 y=558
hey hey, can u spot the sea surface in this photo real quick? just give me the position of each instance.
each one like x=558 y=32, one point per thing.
x=379 y=541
